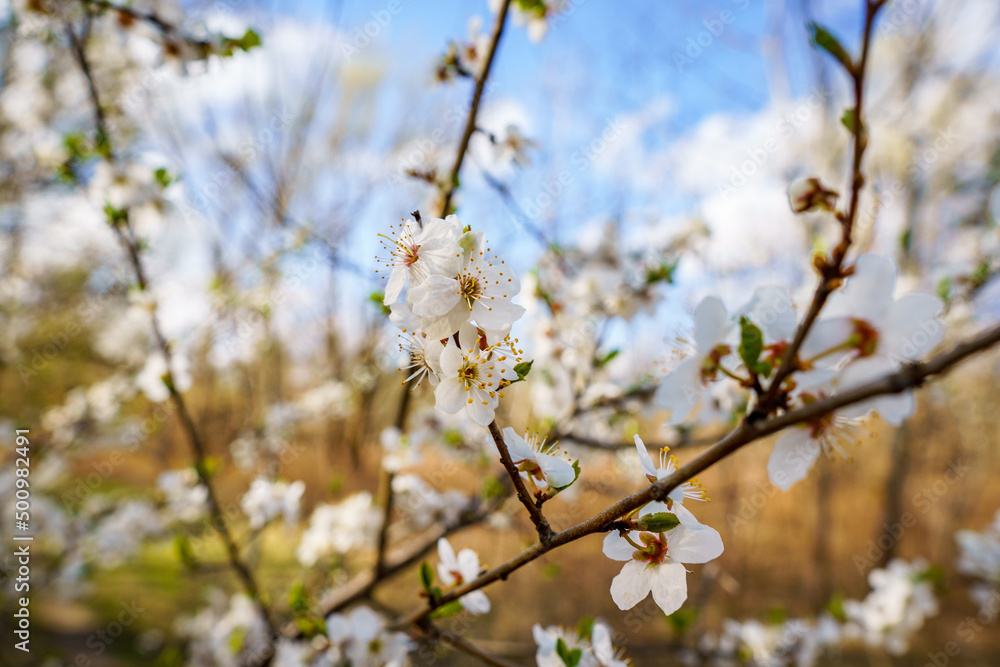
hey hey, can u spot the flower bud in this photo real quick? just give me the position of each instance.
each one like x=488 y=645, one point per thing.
x=808 y=194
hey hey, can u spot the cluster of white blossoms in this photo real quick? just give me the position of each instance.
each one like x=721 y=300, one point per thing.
x=456 y=313
x=979 y=558
x=461 y=568
x=228 y=633
x=589 y=647
x=422 y=506
x=186 y=496
x=545 y=469
x=337 y=529
x=901 y=600
x=666 y=536
x=359 y=638
x=890 y=616
x=863 y=332
x=267 y=500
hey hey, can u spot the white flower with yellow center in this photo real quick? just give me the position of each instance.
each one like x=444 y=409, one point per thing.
x=480 y=290
x=472 y=375
x=418 y=252
x=691 y=489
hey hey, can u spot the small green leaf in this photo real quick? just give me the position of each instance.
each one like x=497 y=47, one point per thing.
x=906 y=241
x=751 y=345
x=448 y=609
x=776 y=615
x=115 y=216
x=466 y=229
x=849 y=119
x=585 y=628
x=298 y=601
x=682 y=619
x=569 y=658
x=427 y=577
x=600 y=362
x=944 y=289
x=551 y=570
x=163 y=177
x=522 y=369
x=824 y=39
x=236 y=639
x=663 y=273
x=836 y=607
x=657 y=523
x=377 y=297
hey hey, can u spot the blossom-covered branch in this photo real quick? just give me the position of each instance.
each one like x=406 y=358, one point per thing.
x=909 y=377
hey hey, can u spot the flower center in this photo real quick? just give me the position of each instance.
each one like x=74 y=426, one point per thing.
x=653 y=549
x=469 y=288
x=409 y=254
x=864 y=339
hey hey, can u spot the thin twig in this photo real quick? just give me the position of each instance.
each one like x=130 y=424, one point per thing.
x=126 y=236
x=832 y=271
x=530 y=504
x=470 y=124
x=451 y=639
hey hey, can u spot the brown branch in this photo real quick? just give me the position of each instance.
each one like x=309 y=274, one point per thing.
x=451 y=639
x=362 y=586
x=908 y=377
x=126 y=236
x=832 y=269
x=470 y=124
x=165 y=27
x=531 y=504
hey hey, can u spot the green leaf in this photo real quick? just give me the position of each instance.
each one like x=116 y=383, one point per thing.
x=551 y=570
x=427 y=577
x=446 y=610
x=585 y=628
x=522 y=369
x=944 y=289
x=601 y=362
x=682 y=619
x=849 y=119
x=493 y=488
x=934 y=575
x=163 y=177
x=115 y=216
x=776 y=615
x=824 y=39
x=569 y=658
x=236 y=639
x=906 y=241
x=751 y=347
x=377 y=297
x=657 y=523
x=836 y=607
x=466 y=229
x=182 y=547
x=663 y=273
x=981 y=275
x=298 y=601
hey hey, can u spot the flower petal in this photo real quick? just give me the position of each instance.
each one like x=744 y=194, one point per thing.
x=792 y=457
x=475 y=602
x=450 y=395
x=669 y=586
x=645 y=461
x=632 y=584
x=693 y=545
x=617 y=547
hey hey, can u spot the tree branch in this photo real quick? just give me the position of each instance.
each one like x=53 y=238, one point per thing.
x=470 y=124
x=530 y=504
x=910 y=376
